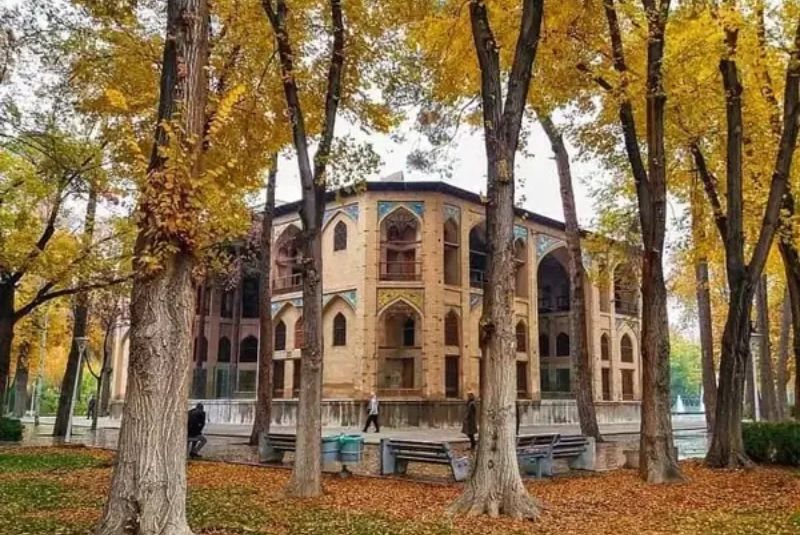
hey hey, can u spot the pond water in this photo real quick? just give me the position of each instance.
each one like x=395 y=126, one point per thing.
x=691 y=444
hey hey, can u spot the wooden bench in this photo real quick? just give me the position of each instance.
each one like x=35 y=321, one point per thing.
x=535 y=453
x=273 y=448
x=577 y=449
x=396 y=454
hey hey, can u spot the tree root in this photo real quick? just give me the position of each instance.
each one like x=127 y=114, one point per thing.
x=515 y=504
x=735 y=460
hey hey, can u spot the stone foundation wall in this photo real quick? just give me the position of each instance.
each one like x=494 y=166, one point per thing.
x=437 y=414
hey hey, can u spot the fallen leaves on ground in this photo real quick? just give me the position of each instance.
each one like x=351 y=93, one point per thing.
x=40 y=494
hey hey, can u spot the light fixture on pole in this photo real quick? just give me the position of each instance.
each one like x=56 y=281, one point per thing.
x=80 y=344
x=755 y=351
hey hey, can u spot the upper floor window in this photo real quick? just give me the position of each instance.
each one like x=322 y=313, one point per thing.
x=409 y=332
x=605 y=349
x=250 y=297
x=521 y=267
x=451 y=329
x=226 y=304
x=288 y=275
x=339 y=330
x=626 y=295
x=400 y=240
x=280 y=336
x=452 y=253
x=544 y=345
x=626 y=349
x=522 y=337
x=340 y=236
x=562 y=345
x=248 y=350
x=224 y=350
x=477 y=256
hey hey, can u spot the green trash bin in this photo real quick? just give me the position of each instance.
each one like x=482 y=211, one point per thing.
x=330 y=449
x=351 y=449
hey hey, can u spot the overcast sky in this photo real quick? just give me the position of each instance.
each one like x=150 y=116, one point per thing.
x=537 y=173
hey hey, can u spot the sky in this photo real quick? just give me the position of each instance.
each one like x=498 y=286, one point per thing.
x=537 y=178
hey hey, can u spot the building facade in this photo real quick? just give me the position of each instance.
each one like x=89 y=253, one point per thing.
x=404 y=269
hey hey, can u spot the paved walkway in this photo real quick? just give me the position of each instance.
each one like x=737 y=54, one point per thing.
x=682 y=423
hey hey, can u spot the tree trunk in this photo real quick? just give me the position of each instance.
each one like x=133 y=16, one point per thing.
x=307 y=471
x=769 y=403
x=495 y=486
x=79 y=330
x=21 y=380
x=782 y=375
x=104 y=397
x=7 y=291
x=148 y=484
x=264 y=395
x=579 y=333
x=657 y=460
x=749 y=407
x=727 y=447
x=706 y=340
x=791 y=265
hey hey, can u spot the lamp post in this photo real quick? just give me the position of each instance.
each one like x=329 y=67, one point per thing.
x=80 y=342
x=755 y=351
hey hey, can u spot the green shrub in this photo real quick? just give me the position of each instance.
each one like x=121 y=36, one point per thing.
x=773 y=442
x=10 y=430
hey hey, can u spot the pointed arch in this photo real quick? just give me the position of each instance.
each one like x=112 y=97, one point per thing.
x=339 y=330
x=452 y=335
x=521 y=332
x=401 y=232
x=562 y=345
x=340 y=236
x=627 y=353
x=248 y=349
x=280 y=336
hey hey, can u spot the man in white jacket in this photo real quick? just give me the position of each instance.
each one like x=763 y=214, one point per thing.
x=372 y=413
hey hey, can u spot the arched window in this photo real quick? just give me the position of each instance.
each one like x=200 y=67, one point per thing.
x=522 y=337
x=521 y=268
x=409 y=332
x=299 y=335
x=626 y=349
x=400 y=237
x=562 y=345
x=248 y=350
x=544 y=345
x=339 y=330
x=288 y=275
x=340 y=236
x=224 y=350
x=280 y=336
x=605 y=349
x=477 y=256
x=451 y=329
x=452 y=256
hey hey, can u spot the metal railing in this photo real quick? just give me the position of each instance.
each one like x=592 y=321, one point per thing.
x=477 y=278
x=554 y=304
x=626 y=308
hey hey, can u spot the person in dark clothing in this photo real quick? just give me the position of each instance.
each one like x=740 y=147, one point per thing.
x=196 y=423
x=90 y=408
x=470 y=425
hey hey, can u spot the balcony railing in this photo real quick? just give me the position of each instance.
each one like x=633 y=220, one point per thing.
x=553 y=304
x=626 y=308
x=401 y=270
x=287 y=284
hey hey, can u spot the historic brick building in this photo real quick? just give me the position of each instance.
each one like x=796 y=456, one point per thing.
x=403 y=280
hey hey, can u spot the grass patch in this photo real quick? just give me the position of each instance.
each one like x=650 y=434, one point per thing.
x=44 y=461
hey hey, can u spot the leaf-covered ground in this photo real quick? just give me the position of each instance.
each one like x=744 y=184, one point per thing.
x=61 y=491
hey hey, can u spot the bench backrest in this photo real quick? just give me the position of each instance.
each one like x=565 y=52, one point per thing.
x=421 y=448
x=285 y=441
x=570 y=444
x=533 y=441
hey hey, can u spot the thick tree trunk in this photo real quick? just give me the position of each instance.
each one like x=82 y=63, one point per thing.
x=782 y=374
x=657 y=460
x=78 y=331
x=495 y=486
x=148 y=484
x=148 y=487
x=727 y=447
x=579 y=333
x=709 y=372
x=769 y=403
x=749 y=406
x=21 y=380
x=264 y=394
x=7 y=291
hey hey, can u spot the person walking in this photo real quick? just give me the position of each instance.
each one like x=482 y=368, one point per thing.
x=90 y=408
x=372 y=413
x=470 y=425
x=196 y=423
